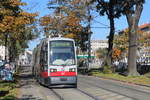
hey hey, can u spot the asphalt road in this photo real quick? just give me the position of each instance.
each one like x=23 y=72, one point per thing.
x=89 y=88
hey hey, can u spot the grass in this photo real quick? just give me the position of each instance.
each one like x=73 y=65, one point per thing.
x=8 y=90
x=143 y=79
x=147 y=75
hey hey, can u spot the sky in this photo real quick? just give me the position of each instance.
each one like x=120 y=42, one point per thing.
x=40 y=6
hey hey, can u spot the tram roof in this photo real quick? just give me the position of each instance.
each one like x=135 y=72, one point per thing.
x=59 y=38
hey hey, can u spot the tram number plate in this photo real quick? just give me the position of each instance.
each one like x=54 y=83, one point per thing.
x=63 y=79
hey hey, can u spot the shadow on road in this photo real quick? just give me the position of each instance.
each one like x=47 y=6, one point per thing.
x=25 y=80
x=3 y=93
x=28 y=97
x=60 y=87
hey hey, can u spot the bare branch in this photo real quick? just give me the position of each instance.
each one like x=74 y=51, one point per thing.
x=138 y=11
x=129 y=18
x=103 y=4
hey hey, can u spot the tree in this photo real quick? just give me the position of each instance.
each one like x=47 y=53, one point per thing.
x=116 y=54
x=68 y=19
x=101 y=53
x=69 y=27
x=111 y=9
x=16 y=27
x=121 y=40
x=132 y=10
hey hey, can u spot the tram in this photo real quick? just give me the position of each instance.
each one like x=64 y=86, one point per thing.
x=54 y=62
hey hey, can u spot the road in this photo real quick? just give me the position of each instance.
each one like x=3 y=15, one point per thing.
x=89 y=88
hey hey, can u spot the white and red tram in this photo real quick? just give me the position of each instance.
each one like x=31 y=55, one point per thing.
x=55 y=62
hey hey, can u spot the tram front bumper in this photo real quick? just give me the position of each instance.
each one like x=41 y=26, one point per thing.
x=63 y=80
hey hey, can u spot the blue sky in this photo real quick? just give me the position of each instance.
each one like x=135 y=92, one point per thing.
x=40 y=6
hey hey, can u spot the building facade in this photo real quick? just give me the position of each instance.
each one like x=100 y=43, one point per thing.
x=2 y=52
x=144 y=51
x=25 y=58
x=96 y=44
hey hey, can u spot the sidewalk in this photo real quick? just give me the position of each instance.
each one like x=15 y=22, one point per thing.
x=29 y=89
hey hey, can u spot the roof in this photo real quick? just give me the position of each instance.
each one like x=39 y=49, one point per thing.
x=144 y=25
x=60 y=38
x=101 y=41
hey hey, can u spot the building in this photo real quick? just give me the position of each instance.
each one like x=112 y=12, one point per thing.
x=145 y=27
x=145 y=47
x=96 y=44
x=2 y=52
x=25 y=58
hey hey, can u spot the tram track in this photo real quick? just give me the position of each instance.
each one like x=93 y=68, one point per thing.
x=57 y=94
x=110 y=90
x=89 y=88
x=77 y=89
x=129 y=88
x=90 y=95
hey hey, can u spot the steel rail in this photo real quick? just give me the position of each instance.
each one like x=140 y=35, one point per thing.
x=59 y=96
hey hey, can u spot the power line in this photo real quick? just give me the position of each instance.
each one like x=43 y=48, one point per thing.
x=100 y=27
x=101 y=23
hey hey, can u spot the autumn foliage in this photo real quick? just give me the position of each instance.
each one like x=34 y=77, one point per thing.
x=16 y=26
x=68 y=26
x=116 y=54
x=66 y=21
x=121 y=40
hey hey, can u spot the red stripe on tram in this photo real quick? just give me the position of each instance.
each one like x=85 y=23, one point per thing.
x=44 y=74
x=63 y=73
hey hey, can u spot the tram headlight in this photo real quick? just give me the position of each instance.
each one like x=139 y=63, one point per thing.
x=72 y=69
x=53 y=70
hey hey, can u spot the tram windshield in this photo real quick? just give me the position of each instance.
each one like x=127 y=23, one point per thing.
x=62 y=53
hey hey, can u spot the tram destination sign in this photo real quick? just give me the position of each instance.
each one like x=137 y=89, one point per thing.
x=61 y=44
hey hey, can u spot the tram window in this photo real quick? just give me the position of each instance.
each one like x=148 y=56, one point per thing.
x=45 y=54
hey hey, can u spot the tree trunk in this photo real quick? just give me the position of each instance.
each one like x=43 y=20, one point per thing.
x=12 y=50
x=133 y=20
x=6 y=38
x=132 y=69
x=110 y=41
